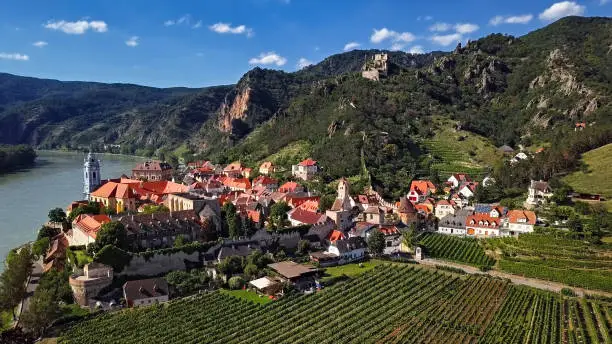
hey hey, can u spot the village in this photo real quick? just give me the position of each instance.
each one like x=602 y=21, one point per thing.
x=249 y=231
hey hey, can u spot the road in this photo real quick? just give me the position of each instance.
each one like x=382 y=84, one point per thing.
x=531 y=282
x=31 y=288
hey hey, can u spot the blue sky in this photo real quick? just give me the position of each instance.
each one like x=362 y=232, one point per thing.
x=209 y=42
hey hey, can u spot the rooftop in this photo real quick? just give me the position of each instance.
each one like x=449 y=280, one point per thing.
x=290 y=270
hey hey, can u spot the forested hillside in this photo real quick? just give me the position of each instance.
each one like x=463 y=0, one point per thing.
x=497 y=90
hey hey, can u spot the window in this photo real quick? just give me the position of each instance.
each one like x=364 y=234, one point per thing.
x=94 y=175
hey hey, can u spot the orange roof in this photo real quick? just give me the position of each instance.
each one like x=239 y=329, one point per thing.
x=426 y=208
x=266 y=165
x=310 y=205
x=335 y=235
x=288 y=187
x=254 y=215
x=422 y=186
x=124 y=191
x=106 y=191
x=522 y=216
x=91 y=224
x=242 y=183
x=539 y=150
x=264 y=180
x=164 y=187
x=308 y=162
x=389 y=230
x=487 y=221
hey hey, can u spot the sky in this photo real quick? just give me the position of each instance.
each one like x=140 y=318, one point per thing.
x=197 y=43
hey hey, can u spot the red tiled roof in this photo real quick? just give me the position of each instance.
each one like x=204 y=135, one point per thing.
x=106 y=191
x=288 y=187
x=521 y=216
x=266 y=165
x=307 y=217
x=124 y=191
x=493 y=222
x=241 y=183
x=264 y=180
x=310 y=205
x=308 y=162
x=389 y=230
x=335 y=235
x=152 y=166
x=91 y=224
x=422 y=186
x=233 y=167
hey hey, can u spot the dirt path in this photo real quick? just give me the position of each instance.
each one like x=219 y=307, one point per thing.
x=531 y=282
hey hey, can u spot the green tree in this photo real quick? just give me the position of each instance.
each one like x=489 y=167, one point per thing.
x=179 y=241
x=89 y=208
x=278 y=215
x=56 y=282
x=251 y=271
x=236 y=283
x=303 y=246
x=230 y=265
x=258 y=259
x=41 y=313
x=57 y=215
x=152 y=209
x=13 y=278
x=376 y=242
x=40 y=247
x=112 y=233
x=47 y=232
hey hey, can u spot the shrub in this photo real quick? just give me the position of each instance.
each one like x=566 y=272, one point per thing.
x=236 y=283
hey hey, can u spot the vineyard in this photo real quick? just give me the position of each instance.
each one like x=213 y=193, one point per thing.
x=388 y=304
x=458 y=249
x=568 y=261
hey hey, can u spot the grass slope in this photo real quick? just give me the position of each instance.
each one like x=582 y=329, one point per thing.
x=596 y=178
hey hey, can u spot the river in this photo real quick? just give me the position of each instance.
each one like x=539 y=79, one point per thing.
x=56 y=180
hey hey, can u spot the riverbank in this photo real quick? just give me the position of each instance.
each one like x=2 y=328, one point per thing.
x=16 y=157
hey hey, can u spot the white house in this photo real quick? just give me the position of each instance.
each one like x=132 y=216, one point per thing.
x=305 y=170
x=85 y=229
x=520 y=156
x=538 y=193
x=467 y=190
x=145 y=292
x=457 y=179
x=348 y=250
x=519 y=222
x=444 y=208
x=454 y=224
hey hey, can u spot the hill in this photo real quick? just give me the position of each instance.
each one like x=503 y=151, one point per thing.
x=595 y=174
x=389 y=304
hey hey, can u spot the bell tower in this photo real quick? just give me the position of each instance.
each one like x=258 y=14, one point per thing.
x=91 y=174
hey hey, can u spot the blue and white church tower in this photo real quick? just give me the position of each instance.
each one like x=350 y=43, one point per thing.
x=91 y=174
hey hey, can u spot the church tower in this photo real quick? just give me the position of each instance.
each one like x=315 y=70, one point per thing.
x=91 y=174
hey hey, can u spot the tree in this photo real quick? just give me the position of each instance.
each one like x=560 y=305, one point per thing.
x=89 y=208
x=303 y=246
x=57 y=215
x=179 y=241
x=41 y=313
x=40 y=247
x=258 y=259
x=230 y=265
x=376 y=242
x=47 y=232
x=278 y=215
x=112 y=233
x=56 y=282
x=13 y=278
x=152 y=209
x=236 y=283
x=409 y=238
x=251 y=271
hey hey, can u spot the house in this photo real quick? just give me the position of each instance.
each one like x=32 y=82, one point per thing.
x=290 y=187
x=505 y=149
x=302 y=276
x=364 y=201
x=335 y=235
x=267 y=285
x=420 y=190
x=233 y=170
x=348 y=250
x=520 y=156
x=95 y=278
x=85 y=229
x=240 y=248
x=457 y=179
x=393 y=238
x=454 y=224
x=362 y=229
x=267 y=168
x=55 y=257
x=206 y=208
x=298 y=217
x=483 y=225
x=538 y=193
x=247 y=172
x=375 y=215
x=152 y=170
x=444 y=208
x=467 y=190
x=265 y=182
x=115 y=196
x=305 y=170
x=145 y=292
x=519 y=222
x=237 y=184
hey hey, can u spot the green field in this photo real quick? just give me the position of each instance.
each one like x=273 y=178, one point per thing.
x=457 y=249
x=557 y=259
x=597 y=178
x=247 y=295
x=459 y=151
x=387 y=304
x=352 y=270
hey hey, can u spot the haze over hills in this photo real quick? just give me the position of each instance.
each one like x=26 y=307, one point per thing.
x=509 y=90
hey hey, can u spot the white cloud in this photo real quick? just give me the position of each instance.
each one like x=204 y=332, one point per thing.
x=417 y=49
x=197 y=25
x=424 y=18
x=77 y=27
x=169 y=22
x=446 y=40
x=521 y=19
x=303 y=62
x=186 y=19
x=603 y=2
x=40 y=44
x=132 y=42
x=383 y=34
x=15 y=57
x=268 y=58
x=397 y=46
x=464 y=28
x=227 y=28
x=351 y=46
x=440 y=27
x=562 y=9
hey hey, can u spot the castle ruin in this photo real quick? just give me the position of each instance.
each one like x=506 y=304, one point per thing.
x=376 y=68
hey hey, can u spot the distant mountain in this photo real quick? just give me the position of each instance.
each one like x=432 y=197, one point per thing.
x=510 y=90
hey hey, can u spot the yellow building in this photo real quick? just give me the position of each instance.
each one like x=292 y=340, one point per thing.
x=116 y=196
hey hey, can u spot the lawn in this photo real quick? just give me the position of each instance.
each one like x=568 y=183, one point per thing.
x=247 y=295
x=351 y=270
x=597 y=175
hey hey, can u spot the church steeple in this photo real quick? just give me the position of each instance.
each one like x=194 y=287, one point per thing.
x=91 y=174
